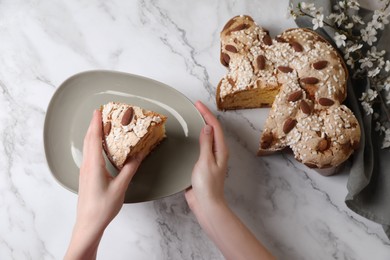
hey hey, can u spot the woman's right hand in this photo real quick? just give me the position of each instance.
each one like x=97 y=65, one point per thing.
x=208 y=175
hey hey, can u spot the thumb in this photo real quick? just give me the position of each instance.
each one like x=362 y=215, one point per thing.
x=206 y=140
x=127 y=173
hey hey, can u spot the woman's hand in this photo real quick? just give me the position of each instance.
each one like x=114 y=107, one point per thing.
x=206 y=196
x=208 y=175
x=101 y=196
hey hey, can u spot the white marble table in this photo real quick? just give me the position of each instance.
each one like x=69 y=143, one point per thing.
x=296 y=212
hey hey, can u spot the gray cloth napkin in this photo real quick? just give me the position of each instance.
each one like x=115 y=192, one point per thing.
x=369 y=178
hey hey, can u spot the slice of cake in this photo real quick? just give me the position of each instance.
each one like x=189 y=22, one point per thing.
x=128 y=130
x=251 y=81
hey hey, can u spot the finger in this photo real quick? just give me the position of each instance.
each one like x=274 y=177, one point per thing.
x=220 y=147
x=92 y=149
x=127 y=173
x=206 y=139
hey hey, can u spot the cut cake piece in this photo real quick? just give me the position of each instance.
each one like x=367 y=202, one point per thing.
x=129 y=130
x=251 y=81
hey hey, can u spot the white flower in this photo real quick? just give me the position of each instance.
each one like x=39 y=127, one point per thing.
x=338 y=18
x=307 y=6
x=367 y=108
x=350 y=62
x=354 y=47
x=376 y=24
x=375 y=54
x=379 y=19
x=357 y=19
x=349 y=26
x=369 y=34
x=318 y=21
x=340 y=39
x=353 y=5
x=369 y=95
x=386 y=139
x=374 y=72
x=290 y=12
x=365 y=63
x=387 y=67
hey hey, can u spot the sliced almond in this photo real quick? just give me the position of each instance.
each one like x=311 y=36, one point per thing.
x=288 y=125
x=319 y=65
x=295 y=96
x=285 y=69
x=231 y=48
x=127 y=116
x=325 y=102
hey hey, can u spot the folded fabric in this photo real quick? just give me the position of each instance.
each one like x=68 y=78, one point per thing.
x=369 y=178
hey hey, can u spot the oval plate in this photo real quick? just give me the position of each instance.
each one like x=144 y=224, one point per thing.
x=166 y=171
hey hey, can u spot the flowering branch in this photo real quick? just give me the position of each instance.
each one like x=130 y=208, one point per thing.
x=360 y=54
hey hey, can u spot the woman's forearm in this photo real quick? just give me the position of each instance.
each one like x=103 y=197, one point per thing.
x=231 y=236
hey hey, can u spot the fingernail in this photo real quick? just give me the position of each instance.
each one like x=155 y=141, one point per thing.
x=207 y=129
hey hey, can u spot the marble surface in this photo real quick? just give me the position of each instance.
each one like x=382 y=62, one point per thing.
x=297 y=213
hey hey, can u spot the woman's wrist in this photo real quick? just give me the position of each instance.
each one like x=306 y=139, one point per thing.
x=205 y=211
x=84 y=242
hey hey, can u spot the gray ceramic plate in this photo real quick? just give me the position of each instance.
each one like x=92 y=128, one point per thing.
x=164 y=172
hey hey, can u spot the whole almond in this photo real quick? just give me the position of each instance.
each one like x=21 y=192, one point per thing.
x=285 y=69
x=267 y=40
x=266 y=141
x=311 y=165
x=231 y=82
x=229 y=23
x=231 y=48
x=310 y=80
x=295 y=96
x=322 y=145
x=319 y=65
x=355 y=145
x=280 y=39
x=325 y=102
x=296 y=46
x=240 y=27
x=304 y=106
x=107 y=128
x=127 y=116
x=260 y=62
x=288 y=125
x=225 y=59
